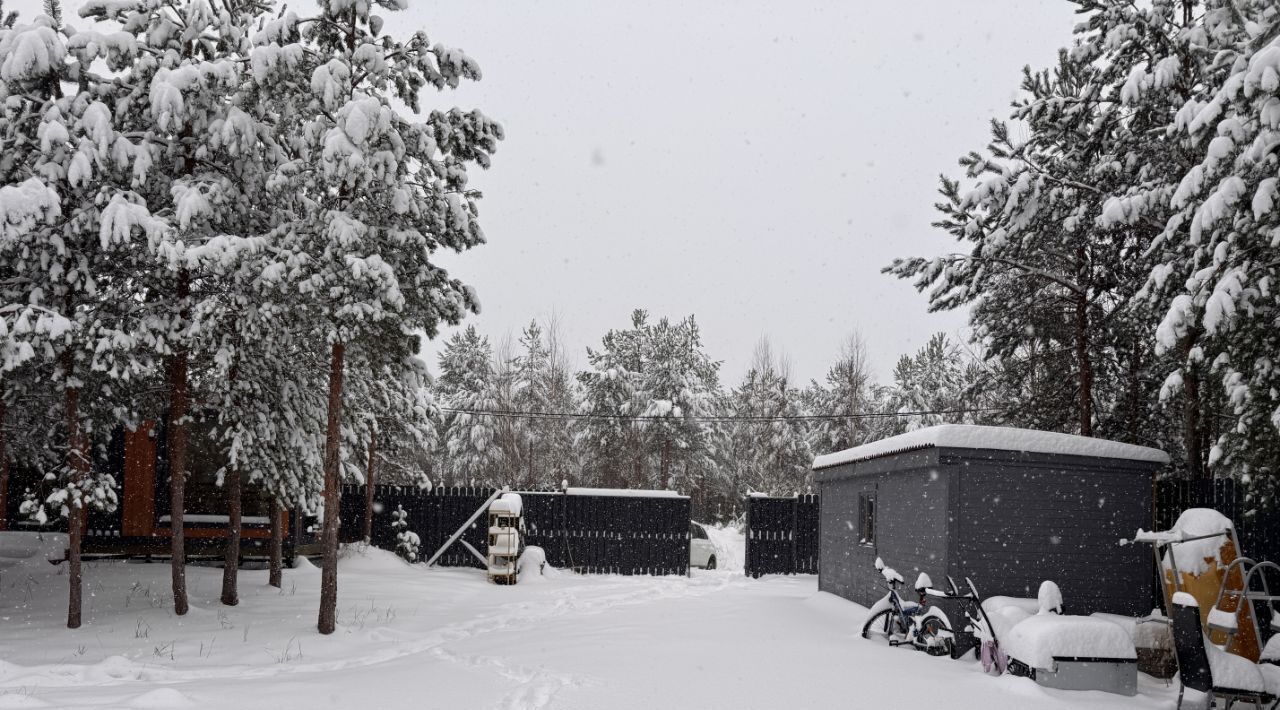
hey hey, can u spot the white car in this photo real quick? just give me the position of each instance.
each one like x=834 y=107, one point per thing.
x=701 y=552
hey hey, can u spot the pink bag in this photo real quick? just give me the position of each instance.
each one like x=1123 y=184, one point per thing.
x=993 y=659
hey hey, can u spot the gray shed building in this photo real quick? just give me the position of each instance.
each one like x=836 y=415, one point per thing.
x=1007 y=507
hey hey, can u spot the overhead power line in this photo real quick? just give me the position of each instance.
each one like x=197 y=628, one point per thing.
x=707 y=418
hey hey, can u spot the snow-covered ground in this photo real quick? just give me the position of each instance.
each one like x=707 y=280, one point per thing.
x=731 y=547
x=409 y=637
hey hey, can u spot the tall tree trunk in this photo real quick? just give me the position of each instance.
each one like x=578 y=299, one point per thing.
x=177 y=427
x=370 y=481
x=4 y=466
x=1191 y=410
x=666 y=463
x=77 y=464
x=231 y=564
x=329 y=541
x=277 y=542
x=231 y=482
x=1135 y=394
x=1084 y=365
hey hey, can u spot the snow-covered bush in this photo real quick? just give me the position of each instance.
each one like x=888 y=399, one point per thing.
x=408 y=543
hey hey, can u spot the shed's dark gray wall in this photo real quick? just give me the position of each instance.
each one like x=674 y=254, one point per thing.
x=1023 y=519
x=912 y=520
x=1007 y=519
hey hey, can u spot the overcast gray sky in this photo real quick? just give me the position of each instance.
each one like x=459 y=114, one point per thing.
x=754 y=164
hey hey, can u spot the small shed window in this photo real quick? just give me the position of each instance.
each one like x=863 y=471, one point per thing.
x=867 y=518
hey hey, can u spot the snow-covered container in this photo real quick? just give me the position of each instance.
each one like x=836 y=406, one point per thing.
x=504 y=538
x=1007 y=507
x=1073 y=653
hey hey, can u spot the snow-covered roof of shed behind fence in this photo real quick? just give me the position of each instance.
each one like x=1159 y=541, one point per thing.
x=622 y=492
x=968 y=436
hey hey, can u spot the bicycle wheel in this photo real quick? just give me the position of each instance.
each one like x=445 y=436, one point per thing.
x=884 y=626
x=934 y=636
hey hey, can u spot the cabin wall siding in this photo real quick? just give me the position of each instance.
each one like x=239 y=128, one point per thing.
x=1027 y=521
x=912 y=525
x=1008 y=520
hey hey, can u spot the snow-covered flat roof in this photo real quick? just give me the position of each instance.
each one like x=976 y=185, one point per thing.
x=969 y=436
x=622 y=492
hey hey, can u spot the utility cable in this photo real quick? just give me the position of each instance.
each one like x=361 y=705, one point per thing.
x=509 y=414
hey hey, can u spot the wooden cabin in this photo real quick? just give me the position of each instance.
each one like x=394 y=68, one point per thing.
x=140 y=525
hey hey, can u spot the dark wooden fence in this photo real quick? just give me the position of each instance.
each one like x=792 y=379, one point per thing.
x=1258 y=532
x=608 y=534
x=782 y=535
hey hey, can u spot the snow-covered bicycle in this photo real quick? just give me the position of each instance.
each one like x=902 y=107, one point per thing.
x=906 y=623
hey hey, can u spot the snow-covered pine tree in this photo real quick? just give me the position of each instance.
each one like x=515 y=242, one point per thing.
x=848 y=394
x=543 y=385
x=467 y=385
x=66 y=162
x=677 y=386
x=531 y=395
x=1216 y=268
x=643 y=395
x=181 y=97
x=371 y=196
x=1151 y=61
x=771 y=452
x=935 y=380
x=407 y=541
x=613 y=444
x=564 y=460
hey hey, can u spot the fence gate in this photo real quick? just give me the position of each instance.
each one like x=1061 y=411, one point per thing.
x=782 y=535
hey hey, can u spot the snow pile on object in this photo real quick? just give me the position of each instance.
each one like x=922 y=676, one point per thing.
x=1007 y=612
x=622 y=493
x=1049 y=598
x=1271 y=652
x=1223 y=619
x=1151 y=632
x=1185 y=599
x=532 y=565
x=1232 y=671
x=1037 y=640
x=966 y=436
x=508 y=503
x=1195 y=556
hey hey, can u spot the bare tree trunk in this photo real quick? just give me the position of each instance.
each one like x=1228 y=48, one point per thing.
x=277 y=542
x=666 y=462
x=1191 y=410
x=177 y=426
x=1135 y=394
x=329 y=540
x=77 y=464
x=4 y=466
x=1084 y=365
x=369 y=482
x=231 y=563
